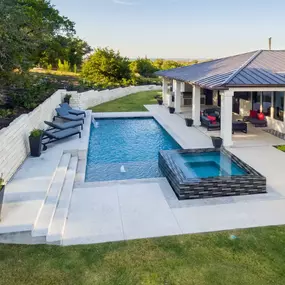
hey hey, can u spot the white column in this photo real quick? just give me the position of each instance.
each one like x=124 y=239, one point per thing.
x=227 y=117
x=284 y=106
x=177 y=102
x=196 y=105
x=222 y=115
x=164 y=90
x=215 y=97
x=272 y=104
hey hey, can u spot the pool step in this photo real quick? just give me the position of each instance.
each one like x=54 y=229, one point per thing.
x=57 y=226
x=46 y=214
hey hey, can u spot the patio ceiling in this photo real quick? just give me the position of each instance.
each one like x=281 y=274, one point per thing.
x=263 y=68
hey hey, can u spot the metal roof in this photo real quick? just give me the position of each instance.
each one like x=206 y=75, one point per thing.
x=257 y=68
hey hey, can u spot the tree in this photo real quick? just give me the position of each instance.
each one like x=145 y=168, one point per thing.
x=24 y=26
x=143 y=67
x=63 y=48
x=158 y=63
x=106 y=66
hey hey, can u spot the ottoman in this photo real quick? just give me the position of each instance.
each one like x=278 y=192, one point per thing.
x=239 y=126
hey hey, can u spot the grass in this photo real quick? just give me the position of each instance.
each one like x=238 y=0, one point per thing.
x=131 y=103
x=55 y=72
x=257 y=256
x=281 y=147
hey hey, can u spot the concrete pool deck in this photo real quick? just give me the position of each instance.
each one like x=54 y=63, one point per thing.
x=122 y=210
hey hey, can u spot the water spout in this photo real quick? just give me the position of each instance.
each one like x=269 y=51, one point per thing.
x=122 y=169
x=95 y=124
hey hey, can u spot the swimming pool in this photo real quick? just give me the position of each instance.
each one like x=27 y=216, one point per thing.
x=126 y=148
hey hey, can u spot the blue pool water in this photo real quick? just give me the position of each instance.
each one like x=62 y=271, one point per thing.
x=131 y=143
x=205 y=165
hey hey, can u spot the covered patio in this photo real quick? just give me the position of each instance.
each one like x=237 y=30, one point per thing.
x=237 y=84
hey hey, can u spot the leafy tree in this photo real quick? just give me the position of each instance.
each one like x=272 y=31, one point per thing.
x=158 y=63
x=106 y=66
x=143 y=67
x=24 y=26
x=63 y=48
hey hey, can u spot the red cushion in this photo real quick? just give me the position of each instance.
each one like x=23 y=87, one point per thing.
x=253 y=114
x=212 y=119
x=260 y=116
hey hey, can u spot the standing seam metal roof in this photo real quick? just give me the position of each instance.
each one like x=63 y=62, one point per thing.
x=257 y=68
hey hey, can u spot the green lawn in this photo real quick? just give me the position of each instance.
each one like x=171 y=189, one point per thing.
x=257 y=256
x=131 y=103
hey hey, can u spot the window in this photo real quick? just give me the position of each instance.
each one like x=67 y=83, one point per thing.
x=266 y=103
x=278 y=106
x=256 y=99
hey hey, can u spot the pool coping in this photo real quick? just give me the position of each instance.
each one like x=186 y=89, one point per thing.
x=196 y=188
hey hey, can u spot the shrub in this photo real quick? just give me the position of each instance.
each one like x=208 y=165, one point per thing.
x=36 y=133
x=63 y=67
x=29 y=91
x=7 y=113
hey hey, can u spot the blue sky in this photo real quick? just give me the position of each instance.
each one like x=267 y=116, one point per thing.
x=178 y=28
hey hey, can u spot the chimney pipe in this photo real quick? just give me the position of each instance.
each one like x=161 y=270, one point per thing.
x=270 y=42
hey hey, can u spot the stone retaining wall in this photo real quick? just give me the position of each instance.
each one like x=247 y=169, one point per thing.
x=14 y=144
x=93 y=98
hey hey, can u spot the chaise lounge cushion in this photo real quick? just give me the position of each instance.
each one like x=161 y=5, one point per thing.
x=61 y=134
x=64 y=126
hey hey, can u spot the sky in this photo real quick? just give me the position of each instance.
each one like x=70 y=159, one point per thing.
x=178 y=28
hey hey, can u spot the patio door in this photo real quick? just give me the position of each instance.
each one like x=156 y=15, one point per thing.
x=236 y=104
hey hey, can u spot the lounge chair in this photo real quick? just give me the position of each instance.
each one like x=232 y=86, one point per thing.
x=71 y=110
x=253 y=118
x=64 y=126
x=64 y=114
x=50 y=137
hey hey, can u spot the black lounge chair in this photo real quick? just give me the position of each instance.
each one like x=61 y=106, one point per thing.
x=64 y=114
x=50 y=137
x=71 y=110
x=64 y=126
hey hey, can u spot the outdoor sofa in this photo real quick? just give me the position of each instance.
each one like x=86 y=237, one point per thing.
x=256 y=118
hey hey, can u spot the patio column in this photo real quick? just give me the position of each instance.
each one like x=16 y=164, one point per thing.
x=177 y=101
x=227 y=117
x=196 y=105
x=272 y=104
x=164 y=90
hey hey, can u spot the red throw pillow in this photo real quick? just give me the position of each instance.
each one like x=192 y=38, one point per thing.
x=212 y=119
x=253 y=114
x=260 y=116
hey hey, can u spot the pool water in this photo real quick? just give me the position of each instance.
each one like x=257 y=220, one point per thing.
x=205 y=165
x=126 y=148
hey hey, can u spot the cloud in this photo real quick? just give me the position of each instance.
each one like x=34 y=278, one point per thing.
x=125 y=2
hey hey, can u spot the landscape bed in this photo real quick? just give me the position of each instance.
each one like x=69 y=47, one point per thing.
x=208 y=173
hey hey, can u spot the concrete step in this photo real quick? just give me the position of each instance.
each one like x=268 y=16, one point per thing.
x=57 y=226
x=46 y=214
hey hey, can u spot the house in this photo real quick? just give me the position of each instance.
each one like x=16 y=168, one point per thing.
x=240 y=83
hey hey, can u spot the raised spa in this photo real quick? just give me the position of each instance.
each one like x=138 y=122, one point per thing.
x=205 y=173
